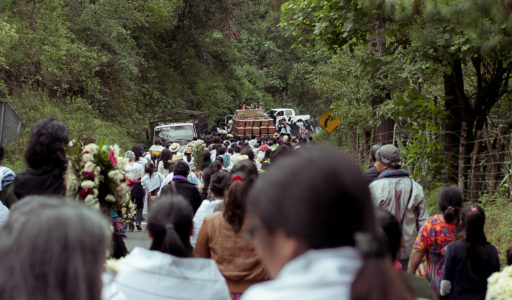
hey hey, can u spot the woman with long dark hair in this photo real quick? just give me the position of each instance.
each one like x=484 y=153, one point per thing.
x=164 y=165
x=46 y=160
x=151 y=183
x=169 y=268
x=52 y=249
x=436 y=234
x=221 y=237
x=306 y=225
x=470 y=261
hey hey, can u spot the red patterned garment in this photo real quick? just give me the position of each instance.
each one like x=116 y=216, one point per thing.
x=433 y=238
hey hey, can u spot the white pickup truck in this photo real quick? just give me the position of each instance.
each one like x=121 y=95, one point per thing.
x=286 y=113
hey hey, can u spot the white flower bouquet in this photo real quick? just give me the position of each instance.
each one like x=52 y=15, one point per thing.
x=499 y=285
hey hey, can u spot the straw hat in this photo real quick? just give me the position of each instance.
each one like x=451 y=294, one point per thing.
x=177 y=157
x=174 y=147
x=188 y=149
x=276 y=135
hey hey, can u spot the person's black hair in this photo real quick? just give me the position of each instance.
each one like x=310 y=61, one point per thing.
x=217 y=140
x=2 y=153
x=391 y=228
x=181 y=168
x=149 y=169
x=138 y=150
x=450 y=203
x=208 y=173
x=281 y=151
x=166 y=144
x=332 y=205
x=165 y=158
x=231 y=151
x=236 y=198
x=253 y=136
x=247 y=151
x=170 y=223
x=221 y=150
x=154 y=159
x=47 y=145
x=206 y=160
x=473 y=222
x=509 y=256
x=220 y=158
x=220 y=183
x=373 y=151
x=236 y=148
x=226 y=143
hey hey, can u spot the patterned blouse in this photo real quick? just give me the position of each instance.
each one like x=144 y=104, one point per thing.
x=433 y=238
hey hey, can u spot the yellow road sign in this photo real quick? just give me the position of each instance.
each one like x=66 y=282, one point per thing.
x=329 y=122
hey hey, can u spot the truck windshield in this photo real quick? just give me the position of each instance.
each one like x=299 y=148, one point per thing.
x=175 y=133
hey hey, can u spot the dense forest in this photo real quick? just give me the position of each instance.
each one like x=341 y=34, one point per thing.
x=114 y=64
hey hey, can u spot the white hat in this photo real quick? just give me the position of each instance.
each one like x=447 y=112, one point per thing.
x=174 y=147
x=177 y=157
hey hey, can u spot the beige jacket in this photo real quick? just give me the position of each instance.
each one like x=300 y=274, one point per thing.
x=392 y=194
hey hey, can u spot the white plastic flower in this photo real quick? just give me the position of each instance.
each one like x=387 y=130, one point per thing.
x=499 y=285
x=87 y=184
x=116 y=176
x=116 y=150
x=90 y=200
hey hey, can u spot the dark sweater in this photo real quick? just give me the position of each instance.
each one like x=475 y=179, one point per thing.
x=44 y=181
x=187 y=190
x=466 y=285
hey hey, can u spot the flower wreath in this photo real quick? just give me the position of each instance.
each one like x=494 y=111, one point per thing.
x=96 y=176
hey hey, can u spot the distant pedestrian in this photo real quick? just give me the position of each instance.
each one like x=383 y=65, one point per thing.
x=180 y=185
x=399 y=194
x=135 y=171
x=470 y=261
x=371 y=173
x=433 y=237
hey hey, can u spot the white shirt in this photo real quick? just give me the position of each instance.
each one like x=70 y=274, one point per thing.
x=152 y=183
x=133 y=170
x=164 y=172
x=4 y=214
x=207 y=208
x=167 y=179
x=316 y=275
x=154 y=275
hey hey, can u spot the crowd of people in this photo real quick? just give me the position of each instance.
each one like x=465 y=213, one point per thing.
x=259 y=219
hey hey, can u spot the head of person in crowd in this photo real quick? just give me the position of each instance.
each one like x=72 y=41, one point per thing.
x=373 y=153
x=208 y=173
x=247 y=151
x=387 y=158
x=149 y=169
x=170 y=225
x=158 y=141
x=280 y=152
x=243 y=175
x=166 y=144
x=217 y=140
x=472 y=222
x=154 y=159
x=219 y=159
x=130 y=155
x=52 y=249
x=165 y=158
x=509 y=256
x=220 y=182
x=333 y=203
x=47 y=145
x=138 y=150
x=221 y=150
x=450 y=202
x=391 y=229
x=181 y=168
x=231 y=151
x=236 y=148
x=207 y=160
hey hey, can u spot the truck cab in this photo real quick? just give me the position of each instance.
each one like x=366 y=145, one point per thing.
x=181 y=133
x=178 y=126
x=286 y=113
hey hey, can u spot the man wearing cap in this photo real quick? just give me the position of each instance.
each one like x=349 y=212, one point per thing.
x=396 y=192
x=371 y=173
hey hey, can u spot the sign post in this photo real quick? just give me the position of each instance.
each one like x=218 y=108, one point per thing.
x=329 y=122
x=10 y=124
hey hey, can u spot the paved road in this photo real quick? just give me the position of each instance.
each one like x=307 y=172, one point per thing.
x=138 y=238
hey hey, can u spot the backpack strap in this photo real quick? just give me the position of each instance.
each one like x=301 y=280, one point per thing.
x=407 y=205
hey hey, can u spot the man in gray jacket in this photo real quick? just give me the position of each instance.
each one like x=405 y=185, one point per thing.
x=396 y=192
